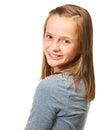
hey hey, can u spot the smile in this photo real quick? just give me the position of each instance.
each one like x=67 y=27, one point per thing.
x=54 y=56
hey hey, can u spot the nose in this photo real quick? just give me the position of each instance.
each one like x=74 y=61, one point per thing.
x=55 y=46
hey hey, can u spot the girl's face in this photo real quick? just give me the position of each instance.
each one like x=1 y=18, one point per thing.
x=60 y=44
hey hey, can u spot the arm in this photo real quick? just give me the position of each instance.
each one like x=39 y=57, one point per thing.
x=43 y=112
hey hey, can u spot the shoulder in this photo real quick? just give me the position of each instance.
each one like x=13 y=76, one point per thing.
x=51 y=89
x=52 y=79
x=54 y=85
x=61 y=79
x=50 y=82
x=61 y=83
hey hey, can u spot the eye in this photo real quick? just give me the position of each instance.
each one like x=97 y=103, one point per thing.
x=47 y=36
x=65 y=41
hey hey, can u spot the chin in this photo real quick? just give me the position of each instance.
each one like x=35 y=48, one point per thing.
x=52 y=65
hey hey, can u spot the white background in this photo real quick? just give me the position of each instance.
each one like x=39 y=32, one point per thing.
x=21 y=24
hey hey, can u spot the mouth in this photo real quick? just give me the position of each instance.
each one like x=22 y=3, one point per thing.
x=54 y=56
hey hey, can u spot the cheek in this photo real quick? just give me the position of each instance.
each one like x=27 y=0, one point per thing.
x=70 y=52
x=45 y=45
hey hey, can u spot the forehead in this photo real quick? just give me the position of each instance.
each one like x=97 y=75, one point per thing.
x=61 y=25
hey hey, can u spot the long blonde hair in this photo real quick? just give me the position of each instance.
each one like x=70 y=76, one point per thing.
x=81 y=67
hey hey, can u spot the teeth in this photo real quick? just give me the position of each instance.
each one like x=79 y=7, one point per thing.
x=54 y=55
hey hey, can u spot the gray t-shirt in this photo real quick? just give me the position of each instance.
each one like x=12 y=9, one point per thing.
x=57 y=106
